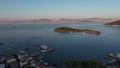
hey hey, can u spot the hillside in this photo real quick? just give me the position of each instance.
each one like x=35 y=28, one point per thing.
x=115 y=23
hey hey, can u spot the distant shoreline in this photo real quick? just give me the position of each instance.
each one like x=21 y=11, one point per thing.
x=61 y=20
x=115 y=23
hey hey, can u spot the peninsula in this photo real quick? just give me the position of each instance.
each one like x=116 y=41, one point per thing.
x=73 y=30
x=115 y=23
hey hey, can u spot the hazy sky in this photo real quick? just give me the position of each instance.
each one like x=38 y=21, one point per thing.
x=34 y=9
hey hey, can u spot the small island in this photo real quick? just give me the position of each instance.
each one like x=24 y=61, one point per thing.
x=115 y=23
x=72 y=30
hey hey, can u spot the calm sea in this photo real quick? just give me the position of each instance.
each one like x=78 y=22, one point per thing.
x=68 y=46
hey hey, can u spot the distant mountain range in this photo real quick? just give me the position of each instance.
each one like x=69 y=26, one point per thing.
x=62 y=20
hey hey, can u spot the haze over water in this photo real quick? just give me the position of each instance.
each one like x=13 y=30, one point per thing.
x=68 y=46
x=35 y=9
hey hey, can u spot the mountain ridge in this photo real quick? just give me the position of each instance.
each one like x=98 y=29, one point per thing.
x=62 y=20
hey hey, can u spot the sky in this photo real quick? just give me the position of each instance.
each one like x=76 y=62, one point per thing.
x=35 y=9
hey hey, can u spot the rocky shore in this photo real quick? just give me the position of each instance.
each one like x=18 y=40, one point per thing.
x=23 y=59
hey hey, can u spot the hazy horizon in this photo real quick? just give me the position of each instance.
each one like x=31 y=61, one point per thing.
x=75 y=9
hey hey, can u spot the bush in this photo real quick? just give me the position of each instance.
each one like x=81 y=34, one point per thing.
x=73 y=64
x=91 y=64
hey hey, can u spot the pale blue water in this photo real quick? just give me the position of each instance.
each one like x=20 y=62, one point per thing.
x=72 y=46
